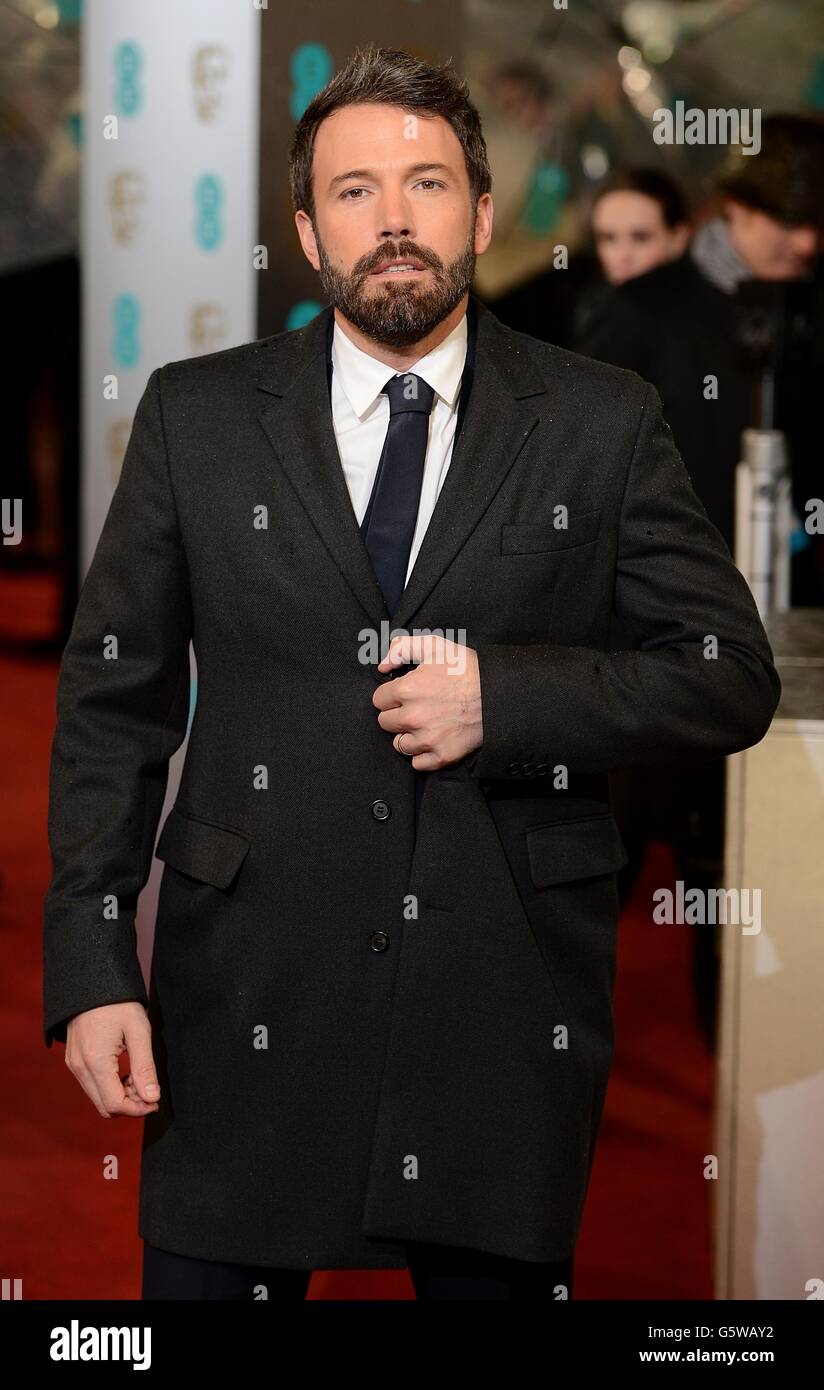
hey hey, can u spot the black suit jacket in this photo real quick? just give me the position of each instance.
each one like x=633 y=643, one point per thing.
x=368 y=1031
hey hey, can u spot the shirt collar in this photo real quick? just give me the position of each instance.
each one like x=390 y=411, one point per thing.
x=362 y=378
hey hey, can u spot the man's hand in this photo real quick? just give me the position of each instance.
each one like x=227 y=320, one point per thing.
x=437 y=705
x=94 y=1042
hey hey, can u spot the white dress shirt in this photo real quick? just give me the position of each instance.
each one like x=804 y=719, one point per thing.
x=360 y=416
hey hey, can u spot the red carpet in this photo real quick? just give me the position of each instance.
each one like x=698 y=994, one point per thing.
x=68 y=1231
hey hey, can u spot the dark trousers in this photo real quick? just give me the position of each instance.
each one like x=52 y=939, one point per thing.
x=437 y=1272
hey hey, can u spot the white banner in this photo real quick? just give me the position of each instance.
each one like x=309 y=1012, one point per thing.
x=169 y=220
x=169 y=206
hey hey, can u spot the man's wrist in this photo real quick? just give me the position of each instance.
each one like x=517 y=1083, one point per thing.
x=507 y=751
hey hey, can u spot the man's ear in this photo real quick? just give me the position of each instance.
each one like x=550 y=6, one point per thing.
x=682 y=234
x=732 y=211
x=306 y=232
x=484 y=214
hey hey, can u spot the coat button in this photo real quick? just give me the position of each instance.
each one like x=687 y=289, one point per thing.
x=379 y=941
x=542 y=769
x=514 y=769
x=528 y=770
x=381 y=810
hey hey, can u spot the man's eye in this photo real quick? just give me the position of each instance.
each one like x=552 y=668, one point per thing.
x=435 y=183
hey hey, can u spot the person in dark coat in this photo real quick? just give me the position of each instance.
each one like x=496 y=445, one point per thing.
x=653 y=312
x=669 y=314
x=665 y=306
x=378 y=1028
x=656 y=314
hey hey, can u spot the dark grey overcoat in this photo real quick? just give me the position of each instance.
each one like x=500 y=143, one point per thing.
x=366 y=1035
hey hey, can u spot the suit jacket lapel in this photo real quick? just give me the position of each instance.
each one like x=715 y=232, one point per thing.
x=499 y=415
x=496 y=420
x=298 y=424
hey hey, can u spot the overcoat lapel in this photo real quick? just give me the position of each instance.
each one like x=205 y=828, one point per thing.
x=298 y=423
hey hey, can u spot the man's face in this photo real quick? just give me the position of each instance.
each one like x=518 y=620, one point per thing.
x=391 y=186
x=772 y=250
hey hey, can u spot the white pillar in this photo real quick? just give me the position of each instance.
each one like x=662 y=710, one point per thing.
x=169 y=208
x=169 y=222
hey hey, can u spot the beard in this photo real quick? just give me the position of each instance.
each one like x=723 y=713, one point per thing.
x=392 y=312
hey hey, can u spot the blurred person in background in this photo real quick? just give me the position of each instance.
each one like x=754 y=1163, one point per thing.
x=639 y=221
x=653 y=311
x=540 y=142
x=668 y=310
x=770 y=227
x=528 y=149
x=771 y=216
x=670 y=314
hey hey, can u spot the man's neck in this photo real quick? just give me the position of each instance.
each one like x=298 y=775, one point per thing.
x=402 y=359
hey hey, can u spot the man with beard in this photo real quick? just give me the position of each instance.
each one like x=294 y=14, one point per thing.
x=379 y=1023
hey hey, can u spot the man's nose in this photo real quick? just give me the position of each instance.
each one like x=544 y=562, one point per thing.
x=395 y=216
x=396 y=227
x=805 y=241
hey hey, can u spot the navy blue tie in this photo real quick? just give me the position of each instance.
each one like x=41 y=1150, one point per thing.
x=388 y=527
x=463 y=401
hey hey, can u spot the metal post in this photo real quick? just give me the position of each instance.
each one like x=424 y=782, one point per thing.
x=763 y=512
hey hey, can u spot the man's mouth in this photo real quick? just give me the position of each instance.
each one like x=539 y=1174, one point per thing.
x=412 y=267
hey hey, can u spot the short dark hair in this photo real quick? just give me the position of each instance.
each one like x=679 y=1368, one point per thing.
x=652 y=183
x=785 y=179
x=393 y=78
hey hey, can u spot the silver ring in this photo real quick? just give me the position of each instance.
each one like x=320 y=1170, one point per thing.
x=400 y=750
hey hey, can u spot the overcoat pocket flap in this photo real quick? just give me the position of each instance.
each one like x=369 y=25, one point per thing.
x=569 y=850
x=200 y=849
x=523 y=537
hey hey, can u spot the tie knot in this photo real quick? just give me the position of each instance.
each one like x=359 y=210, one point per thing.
x=409 y=392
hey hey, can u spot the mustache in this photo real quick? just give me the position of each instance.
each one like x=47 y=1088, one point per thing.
x=397 y=253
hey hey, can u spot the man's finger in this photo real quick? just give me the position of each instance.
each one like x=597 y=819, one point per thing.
x=403 y=649
x=395 y=720
x=114 y=1099
x=138 y=1039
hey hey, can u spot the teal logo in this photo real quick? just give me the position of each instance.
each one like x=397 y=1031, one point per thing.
x=126 y=342
x=208 y=212
x=310 y=68
x=73 y=124
x=815 y=87
x=545 y=198
x=302 y=313
x=70 y=11
x=128 y=92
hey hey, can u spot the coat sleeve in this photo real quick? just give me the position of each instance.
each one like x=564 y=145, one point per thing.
x=121 y=713
x=697 y=680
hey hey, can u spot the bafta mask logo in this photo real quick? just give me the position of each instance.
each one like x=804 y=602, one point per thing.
x=127 y=195
x=207 y=328
x=210 y=70
x=116 y=440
